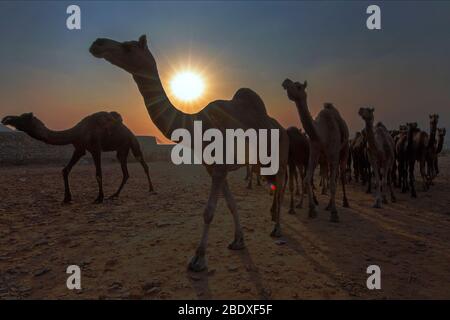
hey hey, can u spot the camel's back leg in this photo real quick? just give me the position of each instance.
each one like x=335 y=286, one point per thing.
x=77 y=154
x=343 y=161
x=218 y=175
x=122 y=156
x=238 y=242
x=292 y=176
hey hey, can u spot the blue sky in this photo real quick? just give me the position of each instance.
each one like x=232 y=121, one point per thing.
x=402 y=70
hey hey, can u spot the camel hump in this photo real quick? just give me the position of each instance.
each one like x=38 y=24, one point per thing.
x=251 y=97
x=329 y=105
x=116 y=116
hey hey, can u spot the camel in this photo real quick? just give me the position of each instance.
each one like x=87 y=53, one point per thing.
x=245 y=110
x=440 y=145
x=417 y=142
x=381 y=155
x=401 y=147
x=101 y=131
x=328 y=135
x=432 y=148
x=298 y=159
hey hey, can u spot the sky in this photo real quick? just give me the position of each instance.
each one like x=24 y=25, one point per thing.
x=402 y=70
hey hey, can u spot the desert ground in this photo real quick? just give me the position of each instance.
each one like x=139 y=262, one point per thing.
x=138 y=247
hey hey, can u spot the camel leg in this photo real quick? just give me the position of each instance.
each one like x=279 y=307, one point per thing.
x=312 y=163
x=343 y=182
x=247 y=169
x=302 y=195
x=297 y=192
x=97 y=156
x=238 y=242
x=412 y=179
x=77 y=154
x=333 y=172
x=250 y=178
x=258 y=179
x=145 y=166
x=376 y=172
x=292 y=176
x=391 y=189
x=384 y=182
x=198 y=262
x=278 y=197
x=423 y=174
x=122 y=156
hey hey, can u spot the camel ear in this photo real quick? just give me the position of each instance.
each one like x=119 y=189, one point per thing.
x=372 y=109
x=28 y=115
x=305 y=84
x=143 y=41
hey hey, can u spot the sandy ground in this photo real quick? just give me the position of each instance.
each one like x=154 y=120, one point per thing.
x=138 y=246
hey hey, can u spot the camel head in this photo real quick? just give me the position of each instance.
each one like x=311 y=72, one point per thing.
x=295 y=90
x=441 y=132
x=412 y=126
x=24 y=122
x=366 y=114
x=434 y=120
x=403 y=128
x=131 y=56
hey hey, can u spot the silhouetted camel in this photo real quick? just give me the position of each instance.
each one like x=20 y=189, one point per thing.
x=417 y=142
x=328 y=135
x=101 y=131
x=245 y=110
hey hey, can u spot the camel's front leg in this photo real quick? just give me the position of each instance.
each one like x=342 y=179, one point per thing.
x=238 y=242
x=291 y=178
x=313 y=159
x=423 y=174
x=198 y=262
x=302 y=195
x=376 y=171
x=278 y=200
x=97 y=156
x=332 y=206
x=77 y=154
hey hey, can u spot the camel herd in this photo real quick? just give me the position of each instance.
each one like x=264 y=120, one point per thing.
x=389 y=157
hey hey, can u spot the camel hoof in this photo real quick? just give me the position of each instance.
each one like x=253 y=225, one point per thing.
x=327 y=208
x=385 y=201
x=114 y=196
x=152 y=193
x=276 y=232
x=345 y=204
x=249 y=188
x=291 y=211
x=237 y=245
x=413 y=195
x=197 y=264
x=98 y=201
x=66 y=202
x=312 y=213
x=315 y=200
x=377 y=205
x=334 y=217
x=393 y=199
x=299 y=206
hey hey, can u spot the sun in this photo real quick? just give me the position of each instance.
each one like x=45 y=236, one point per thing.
x=187 y=86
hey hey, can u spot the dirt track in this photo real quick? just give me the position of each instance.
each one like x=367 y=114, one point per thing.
x=139 y=246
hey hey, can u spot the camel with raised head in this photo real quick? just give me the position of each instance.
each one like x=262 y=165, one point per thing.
x=98 y=132
x=245 y=110
x=328 y=135
x=381 y=151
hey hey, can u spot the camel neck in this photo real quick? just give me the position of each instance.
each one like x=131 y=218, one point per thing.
x=370 y=134
x=42 y=133
x=432 y=140
x=162 y=112
x=306 y=118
